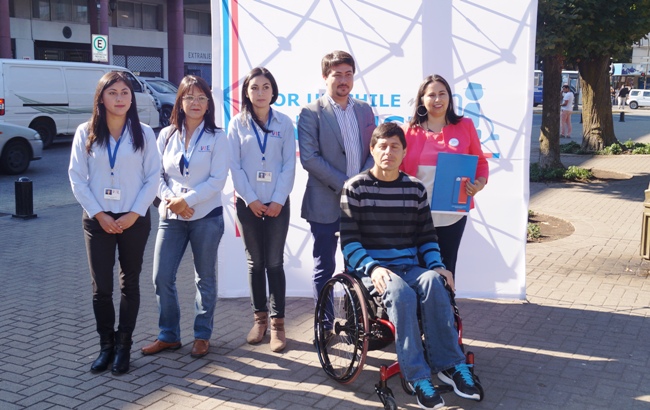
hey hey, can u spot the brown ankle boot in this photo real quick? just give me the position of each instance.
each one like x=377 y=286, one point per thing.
x=278 y=339
x=259 y=328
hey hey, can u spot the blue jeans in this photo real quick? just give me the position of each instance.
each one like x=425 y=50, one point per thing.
x=410 y=285
x=324 y=253
x=173 y=236
x=264 y=240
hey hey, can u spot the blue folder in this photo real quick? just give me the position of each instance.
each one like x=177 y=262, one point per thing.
x=452 y=173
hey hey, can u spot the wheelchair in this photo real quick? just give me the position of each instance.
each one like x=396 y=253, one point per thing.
x=349 y=322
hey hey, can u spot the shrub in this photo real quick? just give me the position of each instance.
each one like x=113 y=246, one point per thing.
x=538 y=174
x=571 y=148
x=533 y=231
x=642 y=150
x=628 y=147
x=629 y=144
x=574 y=173
x=613 y=149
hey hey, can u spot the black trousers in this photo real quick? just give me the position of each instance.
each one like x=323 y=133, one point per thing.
x=100 y=247
x=449 y=241
x=264 y=240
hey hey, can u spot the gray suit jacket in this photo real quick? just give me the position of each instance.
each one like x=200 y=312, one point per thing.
x=322 y=154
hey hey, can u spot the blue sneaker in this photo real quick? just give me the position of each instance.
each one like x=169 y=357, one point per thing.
x=462 y=379
x=428 y=397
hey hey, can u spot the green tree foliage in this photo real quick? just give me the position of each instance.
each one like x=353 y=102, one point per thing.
x=603 y=28
x=588 y=33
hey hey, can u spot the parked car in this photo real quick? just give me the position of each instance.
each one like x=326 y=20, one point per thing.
x=18 y=146
x=163 y=91
x=638 y=98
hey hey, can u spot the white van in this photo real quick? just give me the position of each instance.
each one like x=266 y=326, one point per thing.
x=54 y=97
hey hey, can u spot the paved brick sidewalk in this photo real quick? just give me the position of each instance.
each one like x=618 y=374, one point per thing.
x=579 y=341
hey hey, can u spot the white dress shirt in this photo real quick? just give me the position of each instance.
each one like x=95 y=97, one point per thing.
x=203 y=180
x=135 y=173
x=246 y=158
x=349 y=126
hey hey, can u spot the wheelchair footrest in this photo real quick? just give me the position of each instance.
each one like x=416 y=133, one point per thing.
x=383 y=392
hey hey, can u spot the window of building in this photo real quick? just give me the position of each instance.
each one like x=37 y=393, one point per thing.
x=20 y=9
x=139 y=15
x=151 y=17
x=197 y=23
x=128 y=13
x=75 y=11
x=80 y=11
x=41 y=9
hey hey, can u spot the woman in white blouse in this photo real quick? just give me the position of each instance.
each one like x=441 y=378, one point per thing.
x=194 y=171
x=115 y=188
x=263 y=161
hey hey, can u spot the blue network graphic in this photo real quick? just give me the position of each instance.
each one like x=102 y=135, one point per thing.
x=472 y=110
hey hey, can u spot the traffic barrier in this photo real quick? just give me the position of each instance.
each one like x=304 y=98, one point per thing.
x=24 y=199
x=645 y=227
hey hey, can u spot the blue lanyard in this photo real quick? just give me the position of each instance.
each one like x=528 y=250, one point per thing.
x=112 y=155
x=261 y=144
x=186 y=159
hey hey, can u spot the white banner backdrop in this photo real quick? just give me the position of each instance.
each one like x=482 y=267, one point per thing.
x=484 y=49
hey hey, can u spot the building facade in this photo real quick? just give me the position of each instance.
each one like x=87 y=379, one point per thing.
x=155 y=38
x=641 y=58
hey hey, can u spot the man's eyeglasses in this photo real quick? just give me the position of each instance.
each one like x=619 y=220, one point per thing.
x=190 y=99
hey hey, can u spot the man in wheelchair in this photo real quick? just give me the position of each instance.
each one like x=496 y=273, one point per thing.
x=390 y=243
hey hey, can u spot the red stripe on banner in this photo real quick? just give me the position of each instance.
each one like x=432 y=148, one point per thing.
x=234 y=73
x=234 y=49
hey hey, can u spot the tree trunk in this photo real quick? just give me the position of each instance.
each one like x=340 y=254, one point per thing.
x=597 y=121
x=549 y=136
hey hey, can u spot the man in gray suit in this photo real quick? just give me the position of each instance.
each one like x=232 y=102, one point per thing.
x=334 y=139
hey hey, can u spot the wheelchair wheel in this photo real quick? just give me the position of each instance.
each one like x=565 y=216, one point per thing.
x=341 y=328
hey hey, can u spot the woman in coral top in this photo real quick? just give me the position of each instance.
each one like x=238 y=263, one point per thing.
x=435 y=127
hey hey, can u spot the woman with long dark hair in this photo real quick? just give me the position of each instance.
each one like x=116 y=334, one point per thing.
x=194 y=171
x=115 y=188
x=263 y=161
x=435 y=127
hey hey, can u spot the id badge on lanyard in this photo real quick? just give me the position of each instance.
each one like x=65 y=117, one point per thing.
x=112 y=193
x=187 y=156
x=263 y=175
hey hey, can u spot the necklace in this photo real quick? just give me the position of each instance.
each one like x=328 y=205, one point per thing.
x=431 y=130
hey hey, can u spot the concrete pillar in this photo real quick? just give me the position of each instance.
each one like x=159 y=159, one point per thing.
x=92 y=17
x=104 y=18
x=5 y=34
x=175 y=36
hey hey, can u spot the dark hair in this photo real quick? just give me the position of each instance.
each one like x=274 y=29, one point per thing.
x=177 y=119
x=387 y=130
x=450 y=116
x=98 y=132
x=247 y=104
x=335 y=58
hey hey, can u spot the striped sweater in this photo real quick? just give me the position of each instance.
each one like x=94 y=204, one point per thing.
x=386 y=224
